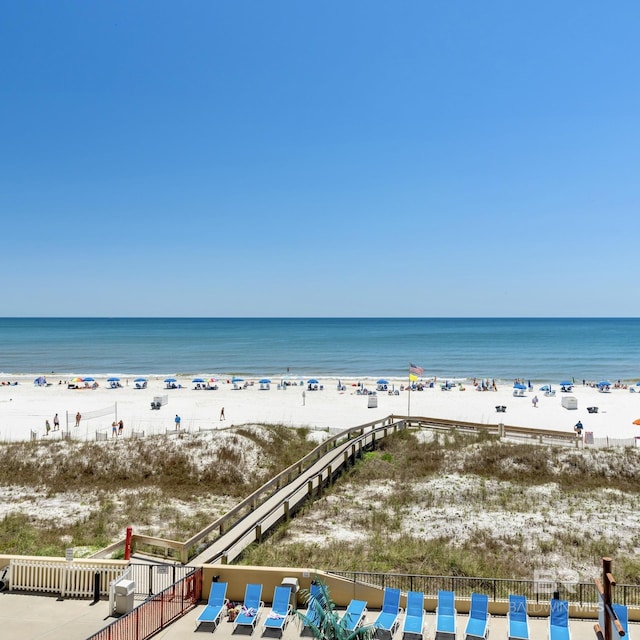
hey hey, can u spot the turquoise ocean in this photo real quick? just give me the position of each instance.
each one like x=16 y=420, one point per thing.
x=539 y=349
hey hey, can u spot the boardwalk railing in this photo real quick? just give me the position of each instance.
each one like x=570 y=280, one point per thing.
x=352 y=441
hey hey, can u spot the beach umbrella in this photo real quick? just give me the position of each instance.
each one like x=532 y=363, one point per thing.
x=170 y=380
x=198 y=380
x=637 y=422
x=312 y=381
x=140 y=380
x=519 y=386
x=76 y=379
x=234 y=379
x=382 y=381
x=566 y=383
x=637 y=384
x=113 y=379
x=604 y=383
x=88 y=379
x=264 y=381
x=213 y=379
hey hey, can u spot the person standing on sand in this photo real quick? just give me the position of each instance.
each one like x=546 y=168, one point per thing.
x=120 y=427
x=47 y=427
x=534 y=401
x=222 y=414
x=114 y=429
x=78 y=418
x=177 y=421
x=56 y=422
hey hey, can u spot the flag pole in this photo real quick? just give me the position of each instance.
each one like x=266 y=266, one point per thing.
x=409 y=395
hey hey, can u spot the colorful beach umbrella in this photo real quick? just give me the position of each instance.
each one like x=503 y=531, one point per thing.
x=637 y=422
x=213 y=379
x=76 y=379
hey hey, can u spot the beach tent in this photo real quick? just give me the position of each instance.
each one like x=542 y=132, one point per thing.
x=545 y=387
x=40 y=381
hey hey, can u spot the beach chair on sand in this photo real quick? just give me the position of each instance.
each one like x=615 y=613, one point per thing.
x=354 y=615
x=251 y=607
x=216 y=604
x=415 y=614
x=388 y=619
x=479 y=616
x=517 y=618
x=446 y=616
x=311 y=617
x=280 y=609
x=559 y=620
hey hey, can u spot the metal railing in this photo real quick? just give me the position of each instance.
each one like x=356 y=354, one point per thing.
x=496 y=588
x=157 y=612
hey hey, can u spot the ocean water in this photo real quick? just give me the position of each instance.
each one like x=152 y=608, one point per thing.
x=539 y=349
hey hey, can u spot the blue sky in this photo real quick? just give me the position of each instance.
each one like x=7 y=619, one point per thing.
x=332 y=158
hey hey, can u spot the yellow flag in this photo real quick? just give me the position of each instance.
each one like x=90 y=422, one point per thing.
x=412 y=377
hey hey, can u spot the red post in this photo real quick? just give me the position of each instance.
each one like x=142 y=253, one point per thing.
x=127 y=544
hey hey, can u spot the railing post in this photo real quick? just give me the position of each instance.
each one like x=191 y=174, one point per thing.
x=258 y=533
x=330 y=475
x=310 y=488
x=286 y=510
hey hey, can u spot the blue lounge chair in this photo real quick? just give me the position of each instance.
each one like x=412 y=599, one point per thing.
x=446 y=616
x=251 y=607
x=387 y=620
x=559 y=620
x=414 y=615
x=280 y=610
x=478 y=624
x=517 y=618
x=354 y=615
x=216 y=604
x=311 y=617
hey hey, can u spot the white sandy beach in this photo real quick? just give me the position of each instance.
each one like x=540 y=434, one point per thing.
x=25 y=407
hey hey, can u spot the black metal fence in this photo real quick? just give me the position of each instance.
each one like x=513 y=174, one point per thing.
x=157 y=612
x=539 y=591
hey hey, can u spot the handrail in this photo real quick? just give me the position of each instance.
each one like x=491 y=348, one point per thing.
x=259 y=496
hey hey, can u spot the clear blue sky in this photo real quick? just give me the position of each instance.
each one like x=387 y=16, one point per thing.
x=335 y=158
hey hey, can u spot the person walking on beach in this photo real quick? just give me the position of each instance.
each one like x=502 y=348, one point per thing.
x=78 y=418
x=177 y=421
x=56 y=422
x=578 y=428
x=534 y=401
x=47 y=427
x=222 y=414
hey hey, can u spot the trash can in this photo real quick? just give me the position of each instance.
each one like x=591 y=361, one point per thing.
x=372 y=402
x=294 y=586
x=125 y=592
